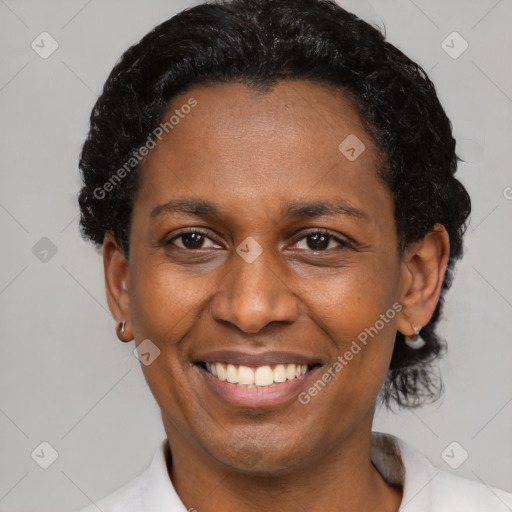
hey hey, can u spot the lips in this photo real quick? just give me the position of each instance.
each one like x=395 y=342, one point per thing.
x=255 y=379
x=255 y=359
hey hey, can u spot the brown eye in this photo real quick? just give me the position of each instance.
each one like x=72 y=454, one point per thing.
x=321 y=241
x=191 y=240
x=318 y=242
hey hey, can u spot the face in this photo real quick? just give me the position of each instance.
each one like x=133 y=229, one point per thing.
x=260 y=253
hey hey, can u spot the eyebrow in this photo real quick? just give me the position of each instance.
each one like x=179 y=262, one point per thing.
x=294 y=209
x=331 y=207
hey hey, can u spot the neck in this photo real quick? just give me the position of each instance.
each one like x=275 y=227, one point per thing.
x=341 y=478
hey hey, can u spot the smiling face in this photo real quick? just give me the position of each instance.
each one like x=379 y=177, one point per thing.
x=256 y=243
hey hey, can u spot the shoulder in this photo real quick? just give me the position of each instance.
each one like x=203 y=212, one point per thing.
x=117 y=501
x=427 y=488
x=449 y=492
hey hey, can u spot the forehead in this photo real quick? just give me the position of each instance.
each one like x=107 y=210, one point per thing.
x=299 y=140
x=316 y=115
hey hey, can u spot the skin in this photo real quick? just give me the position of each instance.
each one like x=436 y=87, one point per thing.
x=253 y=153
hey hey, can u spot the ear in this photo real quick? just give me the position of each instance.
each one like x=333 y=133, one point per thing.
x=117 y=285
x=422 y=273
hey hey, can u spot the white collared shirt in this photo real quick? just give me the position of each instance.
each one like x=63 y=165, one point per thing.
x=425 y=488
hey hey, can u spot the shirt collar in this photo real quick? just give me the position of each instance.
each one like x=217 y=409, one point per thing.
x=158 y=493
x=400 y=464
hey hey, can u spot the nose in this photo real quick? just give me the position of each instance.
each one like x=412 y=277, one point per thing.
x=253 y=295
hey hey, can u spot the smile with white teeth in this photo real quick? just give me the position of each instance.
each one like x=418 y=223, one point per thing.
x=261 y=376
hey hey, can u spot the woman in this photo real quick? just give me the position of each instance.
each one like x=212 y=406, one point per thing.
x=273 y=187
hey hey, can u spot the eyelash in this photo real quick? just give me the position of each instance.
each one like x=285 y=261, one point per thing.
x=340 y=241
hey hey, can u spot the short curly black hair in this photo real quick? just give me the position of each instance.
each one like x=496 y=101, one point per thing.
x=258 y=43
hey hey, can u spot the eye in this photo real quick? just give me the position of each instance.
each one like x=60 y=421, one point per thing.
x=192 y=239
x=316 y=241
x=321 y=241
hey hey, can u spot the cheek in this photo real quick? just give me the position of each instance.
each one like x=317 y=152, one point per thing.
x=358 y=310
x=163 y=309
x=353 y=299
x=164 y=303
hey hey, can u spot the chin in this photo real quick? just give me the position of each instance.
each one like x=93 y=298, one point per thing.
x=254 y=454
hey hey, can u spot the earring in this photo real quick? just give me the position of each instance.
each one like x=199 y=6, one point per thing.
x=417 y=342
x=122 y=326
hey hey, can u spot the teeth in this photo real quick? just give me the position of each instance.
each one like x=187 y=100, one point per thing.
x=221 y=371
x=245 y=375
x=232 y=374
x=280 y=373
x=261 y=376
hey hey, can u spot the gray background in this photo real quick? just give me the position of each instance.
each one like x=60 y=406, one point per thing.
x=67 y=380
